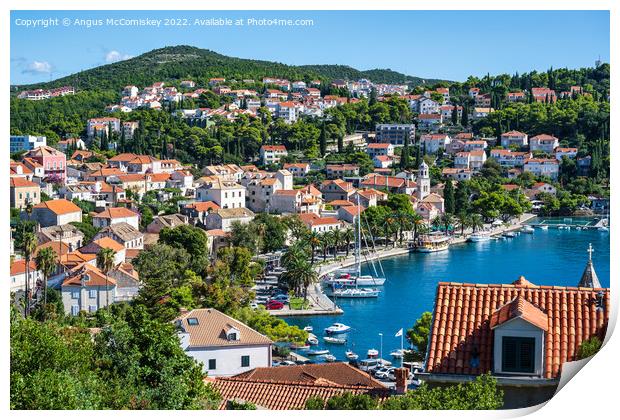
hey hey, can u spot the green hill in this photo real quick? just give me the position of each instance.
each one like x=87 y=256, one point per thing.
x=180 y=62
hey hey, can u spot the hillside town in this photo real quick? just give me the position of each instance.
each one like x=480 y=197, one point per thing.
x=222 y=239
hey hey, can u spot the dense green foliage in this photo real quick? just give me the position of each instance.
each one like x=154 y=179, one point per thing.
x=479 y=394
x=186 y=62
x=135 y=362
x=589 y=347
x=418 y=336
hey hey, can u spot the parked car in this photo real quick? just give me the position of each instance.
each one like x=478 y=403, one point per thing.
x=382 y=373
x=280 y=298
x=274 y=305
x=287 y=363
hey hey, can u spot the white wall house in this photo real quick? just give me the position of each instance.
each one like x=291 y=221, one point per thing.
x=227 y=194
x=544 y=143
x=270 y=154
x=223 y=345
x=86 y=289
x=115 y=215
x=543 y=167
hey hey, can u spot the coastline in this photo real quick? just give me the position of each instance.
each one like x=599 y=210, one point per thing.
x=321 y=304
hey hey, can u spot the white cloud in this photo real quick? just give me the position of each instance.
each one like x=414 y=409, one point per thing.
x=114 y=56
x=38 y=67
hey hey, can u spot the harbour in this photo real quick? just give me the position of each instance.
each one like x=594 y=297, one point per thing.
x=412 y=280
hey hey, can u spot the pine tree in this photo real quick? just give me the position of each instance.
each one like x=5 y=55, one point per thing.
x=465 y=117
x=455 y=115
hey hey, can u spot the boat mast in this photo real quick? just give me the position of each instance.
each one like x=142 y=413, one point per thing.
x=358 y=259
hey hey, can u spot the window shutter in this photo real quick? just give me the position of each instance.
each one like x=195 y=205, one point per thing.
x=509 y=361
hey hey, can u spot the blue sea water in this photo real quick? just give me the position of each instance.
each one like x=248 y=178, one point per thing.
x=552 y=257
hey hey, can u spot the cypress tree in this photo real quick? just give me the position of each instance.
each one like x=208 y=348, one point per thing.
x=455 y=115
x=323 y=141
x=448 y=196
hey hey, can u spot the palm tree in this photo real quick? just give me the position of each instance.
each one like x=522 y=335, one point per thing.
x=437 y=222
x=337 y=239
x=29 y=244
x=417 y=221
x=314 y=239
x=348 y=237
x=325 y=240
x=46 y=263
x=105 y=262
x=387 y=229
x=476 y=222
x=447 y=220
x=463 y=221
x=307 y=275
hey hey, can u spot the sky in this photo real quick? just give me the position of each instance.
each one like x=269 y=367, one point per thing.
x=448 y=45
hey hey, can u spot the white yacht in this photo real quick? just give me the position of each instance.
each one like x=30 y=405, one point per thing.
x=356 y=293
x=337 y=328
x=334 y=340
x=527 y=229
x=350 y=355
x=479 y=237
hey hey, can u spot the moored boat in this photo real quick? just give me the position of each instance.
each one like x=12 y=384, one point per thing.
x=527 y=229
x=350 y=355
x=334 y=340
x=330 y=358
x=397 y=354
x=372 y=353
x=432 y=243
x=312 y=339
x=317 y=352
x=509 y=234
x=337 y=328
x=356 y=293
x=300 y=347
x=308 y=328
x=479 y=237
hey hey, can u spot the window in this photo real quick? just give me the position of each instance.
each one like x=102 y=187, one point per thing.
x=232 y=336
x=518 y=354
x=92 y=293
x=92 y=308
x=192 y=321
x=212 y=364
x=75 y=294
x=75 y=310
x=245 y=361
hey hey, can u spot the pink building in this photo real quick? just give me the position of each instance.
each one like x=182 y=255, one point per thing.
x=54 y=162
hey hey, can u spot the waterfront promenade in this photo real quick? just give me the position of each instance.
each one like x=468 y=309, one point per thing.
x=321 y=304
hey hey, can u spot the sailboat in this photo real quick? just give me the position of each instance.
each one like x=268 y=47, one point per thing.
x=339 y=289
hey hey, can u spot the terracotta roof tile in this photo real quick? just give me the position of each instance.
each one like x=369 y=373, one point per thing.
x=61 y=206
x=211 y=328
x=116 y=212
x=464 y=315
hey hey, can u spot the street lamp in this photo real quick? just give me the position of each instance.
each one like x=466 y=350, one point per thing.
x=381 y=347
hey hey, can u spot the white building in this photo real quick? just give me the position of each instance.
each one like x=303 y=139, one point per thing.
x=270 y=154
x=227 y=194
x=513 y=138
x=224 y=218
x=223 y=345
x=87 y=289
x=431 y=143
x=544 y=143
x=18 y=275
x=543 y=167
x=115 y=215
x=380 y=149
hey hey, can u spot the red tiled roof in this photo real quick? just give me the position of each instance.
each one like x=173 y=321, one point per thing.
x=338 y=373
x=519 y=308
x=95 y=277
x=275 y=395
x=464 y=313
x=203 y=206
x=116 y=212
x=272 y=148
x=19 y=267
x=378 y=145
x=18 y=182
x=60 y=206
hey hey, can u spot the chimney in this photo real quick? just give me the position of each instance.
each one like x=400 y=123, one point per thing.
x=183 y=311
x=401 y=380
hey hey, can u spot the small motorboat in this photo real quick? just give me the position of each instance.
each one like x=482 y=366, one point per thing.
x=337 y=328
x=527 y=229
x=397 y=354
x=308 y=328
x=372 y=353
x=350 y=355
x=312 y=339
x=509 y=234
x=544 y=227
x=317 y=352
x=330 y=358
x=300 y=347
x=334 y=340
